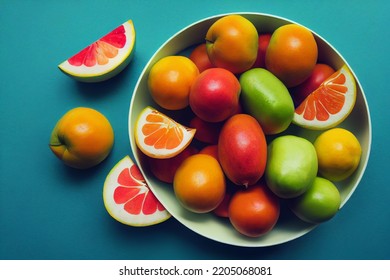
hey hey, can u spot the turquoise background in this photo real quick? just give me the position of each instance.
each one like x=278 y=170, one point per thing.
x=50 y=211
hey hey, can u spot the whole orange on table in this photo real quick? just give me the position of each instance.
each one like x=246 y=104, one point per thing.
x=82 y=138
x=233 y=136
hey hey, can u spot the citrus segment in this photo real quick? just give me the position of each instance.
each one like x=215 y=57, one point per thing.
x=104 y=58
x=330 y=103
x=159 y=136
x=128 y=199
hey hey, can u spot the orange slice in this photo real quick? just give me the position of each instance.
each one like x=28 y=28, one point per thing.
x=330 y=103
x=104 y=58
x=159 y=136
x=128 y=199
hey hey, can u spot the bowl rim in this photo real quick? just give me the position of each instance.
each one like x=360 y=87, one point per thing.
x=159 y=53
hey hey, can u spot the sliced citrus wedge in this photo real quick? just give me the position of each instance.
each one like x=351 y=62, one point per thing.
x=128 y=199
x=330 y=103
x=159 y=136
x=104 y=58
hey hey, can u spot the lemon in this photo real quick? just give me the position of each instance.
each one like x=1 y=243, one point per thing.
x=339 y=152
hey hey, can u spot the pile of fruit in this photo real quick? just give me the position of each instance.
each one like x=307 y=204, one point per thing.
x=220 y=132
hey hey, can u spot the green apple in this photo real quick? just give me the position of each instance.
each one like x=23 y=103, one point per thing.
x=291 y=167
x=232 y=43
x=319 y=203
x=266 y=98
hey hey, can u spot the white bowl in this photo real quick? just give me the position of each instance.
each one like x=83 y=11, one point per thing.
x=208 y=225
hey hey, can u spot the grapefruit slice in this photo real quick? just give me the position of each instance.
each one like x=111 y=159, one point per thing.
x=104 y=58
x=159 y=136
x=330 y=103
x=128 y=199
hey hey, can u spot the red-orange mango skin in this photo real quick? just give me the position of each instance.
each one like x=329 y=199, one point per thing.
x=242 y=149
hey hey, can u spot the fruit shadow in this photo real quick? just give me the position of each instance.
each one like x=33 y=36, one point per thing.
x=114 y=85
x=218 y=250
x=79 y=177
x=124 y=238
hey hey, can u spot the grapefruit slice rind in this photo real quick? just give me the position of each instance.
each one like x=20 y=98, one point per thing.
x=104 y=58
x=159 y=136
x=128 y=199
x=330 y=104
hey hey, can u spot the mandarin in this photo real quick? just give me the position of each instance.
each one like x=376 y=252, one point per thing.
x=82 y=138
x=199 y=183
x=291 y=54
x=170 y=80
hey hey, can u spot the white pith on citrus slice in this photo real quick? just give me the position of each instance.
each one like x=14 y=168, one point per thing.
x=128 y=199
x=330 y=103
x=104 y=58
x=159 y=136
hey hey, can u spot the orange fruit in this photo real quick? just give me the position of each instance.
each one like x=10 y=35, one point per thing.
x=330 y=103
x=82 y=138
x=170 y=80
x=159 y=136
x=232 y=43
x=104 y=58
x=254 y=211
x=165 y=168
x=338 y=152
x=199 y=183
x=128 y=199
x=291 y=54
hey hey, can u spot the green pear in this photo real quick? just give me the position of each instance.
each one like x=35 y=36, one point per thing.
x=267 y=99
x=319 y=203
x=291 y=167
